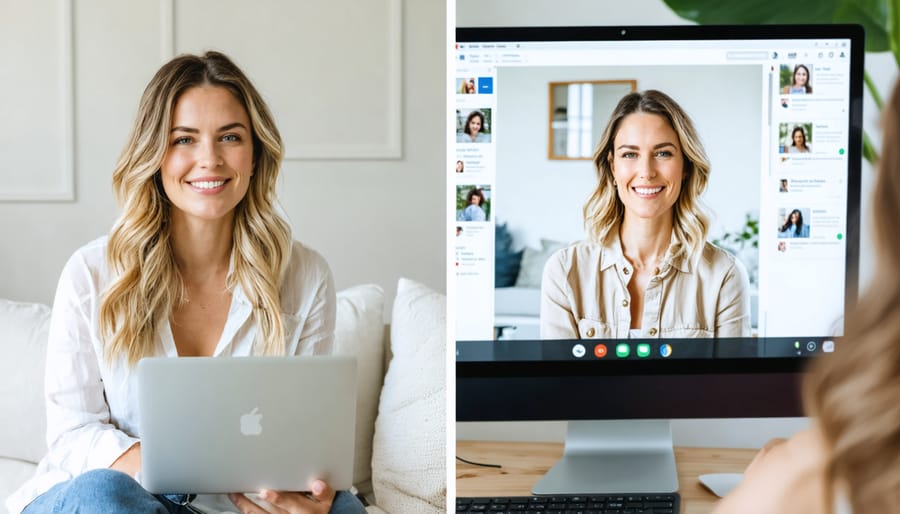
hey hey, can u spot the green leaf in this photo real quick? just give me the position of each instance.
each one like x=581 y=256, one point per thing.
x=894 y=29
x=871 y=14
x=869 y=152
x=873 y=90
x=750 y=12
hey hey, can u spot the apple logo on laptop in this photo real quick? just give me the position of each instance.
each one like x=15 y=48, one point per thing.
x=251 y=422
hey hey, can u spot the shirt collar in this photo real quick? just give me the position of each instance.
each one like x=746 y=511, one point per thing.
x=612 y=255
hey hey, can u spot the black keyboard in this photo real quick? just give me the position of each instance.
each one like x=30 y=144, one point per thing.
x=573 y=504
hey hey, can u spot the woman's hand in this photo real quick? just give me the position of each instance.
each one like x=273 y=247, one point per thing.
x=318 y=501
x=784 y=477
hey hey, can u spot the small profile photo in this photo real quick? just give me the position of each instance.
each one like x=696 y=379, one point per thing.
x=783 y=185
x=460 y=166
x=796 y=79
x=459 y=231
x=795 y=138
x=794 y=223
x=466 y=86
x=473 y=125
x=782 y=246
x=473 y=203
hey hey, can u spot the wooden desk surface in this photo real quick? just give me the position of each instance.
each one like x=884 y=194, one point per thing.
x=524 y=463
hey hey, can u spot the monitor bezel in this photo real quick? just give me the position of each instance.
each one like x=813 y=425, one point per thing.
x=661 y=389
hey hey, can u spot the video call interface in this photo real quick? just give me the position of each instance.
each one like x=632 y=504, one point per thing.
x=528 y=117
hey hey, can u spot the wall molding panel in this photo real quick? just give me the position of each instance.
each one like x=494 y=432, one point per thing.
x=37 y=109
x=286 y=59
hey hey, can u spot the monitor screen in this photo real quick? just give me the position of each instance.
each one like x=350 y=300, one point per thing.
x=561 y=313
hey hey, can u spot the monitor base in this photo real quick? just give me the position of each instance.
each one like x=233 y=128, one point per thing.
x=603 y=457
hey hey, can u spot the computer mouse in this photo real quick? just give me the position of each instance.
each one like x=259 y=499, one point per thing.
x=720 y=484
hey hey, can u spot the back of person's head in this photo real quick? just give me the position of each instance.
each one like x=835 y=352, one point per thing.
x=604 y=211
x=854 y=391
x=147 y=283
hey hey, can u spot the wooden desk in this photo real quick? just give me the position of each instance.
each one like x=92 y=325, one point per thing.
x=524 y=463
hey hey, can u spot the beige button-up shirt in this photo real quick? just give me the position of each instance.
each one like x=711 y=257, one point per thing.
x=584 y=295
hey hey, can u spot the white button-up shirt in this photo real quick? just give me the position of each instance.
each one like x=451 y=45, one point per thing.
x=92 y=404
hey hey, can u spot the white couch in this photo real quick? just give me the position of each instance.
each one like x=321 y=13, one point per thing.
x=400 y=461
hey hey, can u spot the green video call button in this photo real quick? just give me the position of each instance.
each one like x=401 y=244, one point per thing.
x=623 y=350
x=643 y=350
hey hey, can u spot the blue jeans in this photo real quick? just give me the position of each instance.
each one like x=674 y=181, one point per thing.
x=105 y=491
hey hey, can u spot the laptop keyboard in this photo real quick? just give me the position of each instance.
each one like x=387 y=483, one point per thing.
x=573 y=504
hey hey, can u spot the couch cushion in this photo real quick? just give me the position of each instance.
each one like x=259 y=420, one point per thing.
x=359 y=331
x=13 y=473
x=23 y=346
x=408 y=459
x=531 y=269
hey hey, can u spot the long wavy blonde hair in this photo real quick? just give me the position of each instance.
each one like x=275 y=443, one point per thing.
x=147 y=284
x=856 y=394
x=604 y=210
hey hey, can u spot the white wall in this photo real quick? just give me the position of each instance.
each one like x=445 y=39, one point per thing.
x=726 y=433
x=374 y=217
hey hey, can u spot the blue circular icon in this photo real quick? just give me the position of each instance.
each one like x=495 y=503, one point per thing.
x=665 y=350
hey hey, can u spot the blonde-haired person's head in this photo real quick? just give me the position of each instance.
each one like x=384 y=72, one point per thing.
x=604 y=210
x=147 y=284
x=854 y=392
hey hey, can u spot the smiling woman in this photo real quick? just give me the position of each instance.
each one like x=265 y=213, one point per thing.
x=199 y=264
x=647 y=270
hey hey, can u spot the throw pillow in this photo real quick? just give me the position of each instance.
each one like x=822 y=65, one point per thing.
x=23 y=350
x=408 y=460
x=359 y=331
x=506 y=261
x=532 y=268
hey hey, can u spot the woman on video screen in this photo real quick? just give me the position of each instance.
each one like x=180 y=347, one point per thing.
x=793 y=226
x=799 y=81
x=647 y=270
x=474 y=210
x=799 y=142
x=474 y=131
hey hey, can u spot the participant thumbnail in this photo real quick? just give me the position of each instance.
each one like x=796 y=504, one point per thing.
x=466 y=86
x=473 y=203
x=473 y=125
x=795 y=137
x=795 y=80
x=793 y=223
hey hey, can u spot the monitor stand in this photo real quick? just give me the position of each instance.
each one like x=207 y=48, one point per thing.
x=603 y=457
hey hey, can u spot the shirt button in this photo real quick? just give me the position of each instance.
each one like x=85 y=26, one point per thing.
x=590 y=332
x=656 y=271
x=653 y=331
x=626 y=271
x=624 y=303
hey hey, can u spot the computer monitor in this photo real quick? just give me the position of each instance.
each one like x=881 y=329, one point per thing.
x=778 y=110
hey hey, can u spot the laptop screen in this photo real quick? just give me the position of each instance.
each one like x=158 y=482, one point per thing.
x=777 y=115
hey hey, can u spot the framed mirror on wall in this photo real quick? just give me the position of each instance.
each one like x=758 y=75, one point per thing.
x=579 y=111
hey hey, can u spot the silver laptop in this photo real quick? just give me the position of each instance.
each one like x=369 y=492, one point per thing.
x=241 y=424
